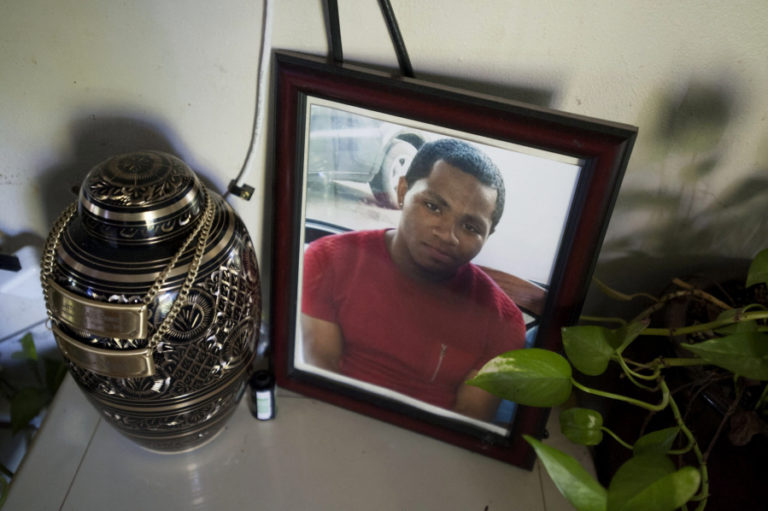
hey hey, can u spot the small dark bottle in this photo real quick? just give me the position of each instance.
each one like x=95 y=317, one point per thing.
x=262 y=394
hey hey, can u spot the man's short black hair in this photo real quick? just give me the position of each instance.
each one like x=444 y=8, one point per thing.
x=464 y=157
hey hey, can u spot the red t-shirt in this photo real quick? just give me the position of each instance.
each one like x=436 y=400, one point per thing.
x=420 y=339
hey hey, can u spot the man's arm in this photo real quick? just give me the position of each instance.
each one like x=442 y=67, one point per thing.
x=474 y=401
x=323 y=343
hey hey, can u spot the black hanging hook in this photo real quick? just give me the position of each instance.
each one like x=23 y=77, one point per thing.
x=397 y=38
x=332 y=14
x=334 y=29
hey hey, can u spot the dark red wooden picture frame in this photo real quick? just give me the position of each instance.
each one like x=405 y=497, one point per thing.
x=603 y=146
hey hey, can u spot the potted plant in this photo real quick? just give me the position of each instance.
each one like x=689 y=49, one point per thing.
x=27 y=386
x=667 y=464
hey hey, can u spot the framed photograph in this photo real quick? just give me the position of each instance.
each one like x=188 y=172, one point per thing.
x=419 y=231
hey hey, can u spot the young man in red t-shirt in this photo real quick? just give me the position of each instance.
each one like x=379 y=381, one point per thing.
x=405 y=308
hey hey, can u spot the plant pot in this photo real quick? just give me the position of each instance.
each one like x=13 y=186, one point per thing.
x=734 y=469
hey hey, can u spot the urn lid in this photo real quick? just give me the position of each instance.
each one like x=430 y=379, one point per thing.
x=140 y=197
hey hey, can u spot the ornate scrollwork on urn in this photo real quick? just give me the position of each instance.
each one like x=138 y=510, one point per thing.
x=152 y=286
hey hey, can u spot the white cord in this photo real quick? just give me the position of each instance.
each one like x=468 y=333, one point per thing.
x=262 y=72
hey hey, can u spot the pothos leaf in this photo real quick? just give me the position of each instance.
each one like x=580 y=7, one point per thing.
x=25 y=405
x=649 y=482
x=656 y=442
x=55 y=371
x=588 y=348
x=737 y=324
x=574 y=482
x=743 y=353
x=582 y=426
x=623 y=336
x=28 y=350
x=758 y=270
x=532 y=376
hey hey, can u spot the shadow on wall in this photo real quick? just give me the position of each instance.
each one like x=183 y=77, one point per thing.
x=94 y=139
x=680 y=228
x=11 y=244
x=647 y=274
x=536 y=96
x=682 y=216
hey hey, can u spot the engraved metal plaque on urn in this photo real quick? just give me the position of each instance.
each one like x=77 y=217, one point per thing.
x=152 y=287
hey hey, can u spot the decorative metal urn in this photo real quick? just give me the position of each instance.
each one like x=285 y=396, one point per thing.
x=152 y=287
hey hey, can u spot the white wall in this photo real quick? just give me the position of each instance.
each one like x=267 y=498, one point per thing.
x=83 y=79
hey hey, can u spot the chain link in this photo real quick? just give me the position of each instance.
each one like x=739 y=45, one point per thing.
x=202 y=230
x=49 y=253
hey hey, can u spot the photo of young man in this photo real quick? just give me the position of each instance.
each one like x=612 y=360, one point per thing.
x=405 y=308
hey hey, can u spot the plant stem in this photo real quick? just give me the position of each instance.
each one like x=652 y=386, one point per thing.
x=703 y=327
x=657 y=364
x=700 y=293
x=690 y=291
x=618 y=295
x=682 y=450
x=632 y=374
x=616 y=437
x=656 y=367
x=682 y=362
x=632 y=401
x=763 y=399
x=703 y=494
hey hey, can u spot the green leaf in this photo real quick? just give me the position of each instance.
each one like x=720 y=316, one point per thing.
x=730 y=314
x=735 y=317
x=623 y=336
x=25 y=406
x=573 y=481
x=582 y=426
x=758 y=270
x=532 y=377
x=656 y=442
x=649 y=482
x=55 y=371
x=28 y=350
x=744 y=353
x=588 y=348
x=740 y=327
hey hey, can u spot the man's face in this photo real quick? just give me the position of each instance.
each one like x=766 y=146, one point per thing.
x=445 y=222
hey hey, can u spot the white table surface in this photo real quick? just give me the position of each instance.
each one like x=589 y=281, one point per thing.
x=313 y=456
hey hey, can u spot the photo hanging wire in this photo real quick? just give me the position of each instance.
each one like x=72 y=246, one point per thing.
x=332 y=13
